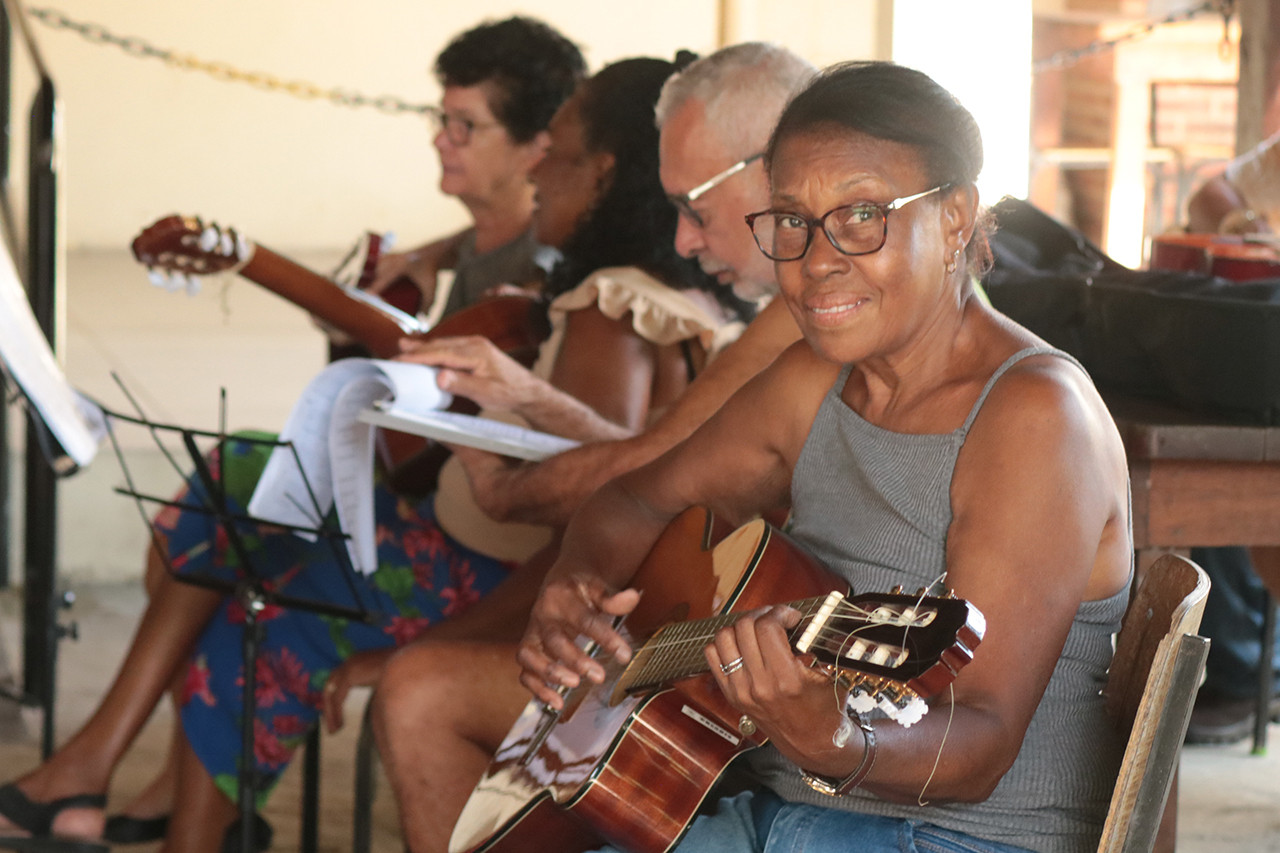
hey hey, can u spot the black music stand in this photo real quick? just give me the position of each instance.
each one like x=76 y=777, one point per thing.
x=250 y=590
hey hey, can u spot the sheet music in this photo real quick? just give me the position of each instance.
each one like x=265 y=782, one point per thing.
x=74 y=420
x=335 y=449
x=470 y=430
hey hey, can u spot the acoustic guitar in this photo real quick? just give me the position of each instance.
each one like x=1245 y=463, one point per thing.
x=184 y=248
x=629 y=761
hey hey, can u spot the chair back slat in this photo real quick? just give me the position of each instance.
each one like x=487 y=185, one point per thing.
x=1150 y=688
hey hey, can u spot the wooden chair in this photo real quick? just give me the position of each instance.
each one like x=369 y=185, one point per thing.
x=1150 y=689
x=366 y=759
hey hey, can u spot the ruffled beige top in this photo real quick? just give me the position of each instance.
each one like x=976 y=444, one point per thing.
x=659 y=314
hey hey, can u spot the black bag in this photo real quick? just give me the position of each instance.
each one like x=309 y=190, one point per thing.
x=1202 y=343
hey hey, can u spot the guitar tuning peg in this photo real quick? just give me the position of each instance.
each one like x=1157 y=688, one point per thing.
x=226 y=245
x=193 y=285
x=911 y=713
x=886 y=703
x=897 y=590
x=157 y=278
x=860 y=702
x=209 y=239
x=177 y=281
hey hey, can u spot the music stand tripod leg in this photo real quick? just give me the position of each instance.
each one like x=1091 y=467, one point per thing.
x=247 y=782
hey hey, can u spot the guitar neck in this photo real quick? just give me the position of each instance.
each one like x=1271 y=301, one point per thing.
x=373 y=327
x=675 y=652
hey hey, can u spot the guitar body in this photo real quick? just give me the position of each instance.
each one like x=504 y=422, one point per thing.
x=402 y=293
x=634 y=771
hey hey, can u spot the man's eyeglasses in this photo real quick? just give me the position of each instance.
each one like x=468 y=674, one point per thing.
x=854 y=229
x=684 y=203
x=456 y=129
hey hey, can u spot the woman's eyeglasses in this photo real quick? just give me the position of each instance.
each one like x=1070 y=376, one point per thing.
x=854 y=229
x=456 y=129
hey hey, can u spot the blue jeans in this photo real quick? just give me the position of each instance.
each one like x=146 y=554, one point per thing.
x=1233 y=621
x=760 y=822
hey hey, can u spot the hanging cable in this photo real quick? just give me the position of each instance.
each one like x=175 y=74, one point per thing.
x=1069 y=57
x=134 y=46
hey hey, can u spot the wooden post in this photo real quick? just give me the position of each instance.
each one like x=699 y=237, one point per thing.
x=1258 y=105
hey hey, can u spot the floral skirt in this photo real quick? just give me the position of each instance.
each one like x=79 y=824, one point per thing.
x=423 y=577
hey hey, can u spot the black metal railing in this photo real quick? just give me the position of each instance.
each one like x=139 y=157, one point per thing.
x=36 y=253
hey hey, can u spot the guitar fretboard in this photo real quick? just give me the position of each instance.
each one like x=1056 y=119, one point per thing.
x=675 y=652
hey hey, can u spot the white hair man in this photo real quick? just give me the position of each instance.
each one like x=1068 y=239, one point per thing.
x=445 y=701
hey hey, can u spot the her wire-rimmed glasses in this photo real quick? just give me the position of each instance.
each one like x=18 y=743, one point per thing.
x=684 y=202
x=456 y=129
x=853 y=229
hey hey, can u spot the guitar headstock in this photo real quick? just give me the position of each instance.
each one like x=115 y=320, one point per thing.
x=893 y=651
x=177 y=250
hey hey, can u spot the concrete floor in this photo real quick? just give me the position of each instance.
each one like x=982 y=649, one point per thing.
x=105 y=615
x=174 y=353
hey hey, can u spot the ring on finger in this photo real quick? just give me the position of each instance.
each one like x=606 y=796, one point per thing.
x=732 y=666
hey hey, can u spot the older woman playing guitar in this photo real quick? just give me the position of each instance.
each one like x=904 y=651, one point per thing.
x=919 y=438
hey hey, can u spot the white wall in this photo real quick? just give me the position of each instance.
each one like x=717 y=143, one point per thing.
x=143 y=139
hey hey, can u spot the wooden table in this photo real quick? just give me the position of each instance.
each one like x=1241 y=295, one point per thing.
x=1203 y=482
x=1199 y=481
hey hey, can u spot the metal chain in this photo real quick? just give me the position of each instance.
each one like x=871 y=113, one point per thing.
x=1064 y=58
x=135 y=46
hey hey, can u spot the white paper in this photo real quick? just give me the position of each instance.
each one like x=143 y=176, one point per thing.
x=469 y=430
x=75 y=421
x=335 y=449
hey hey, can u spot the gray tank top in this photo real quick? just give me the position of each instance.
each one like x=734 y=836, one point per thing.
x=875 y=507
x=520 y=262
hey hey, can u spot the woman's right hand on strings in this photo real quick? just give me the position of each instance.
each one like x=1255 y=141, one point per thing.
x=420 y=266
x=568 y=608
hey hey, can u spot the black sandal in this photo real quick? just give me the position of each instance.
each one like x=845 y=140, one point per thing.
x=123 y=829
x=37 y=819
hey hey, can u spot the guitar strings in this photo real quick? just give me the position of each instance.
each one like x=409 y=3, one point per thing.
x=688 y=640
x=859 y=612
x=678 y=648
x=707 y=627
x=951 y=713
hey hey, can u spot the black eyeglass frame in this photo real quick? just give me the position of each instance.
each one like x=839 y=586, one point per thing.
x=457 y=129
x=812 y=222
